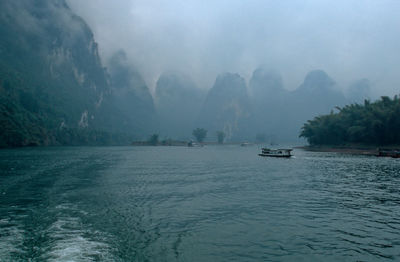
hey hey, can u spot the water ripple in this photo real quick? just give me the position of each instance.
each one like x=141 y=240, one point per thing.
x=209 y=204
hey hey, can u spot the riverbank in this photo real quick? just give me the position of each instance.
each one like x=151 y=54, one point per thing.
x=185 y=143
x=351 y=149
x=161 y=143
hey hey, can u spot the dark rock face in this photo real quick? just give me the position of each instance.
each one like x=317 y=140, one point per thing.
x=317 y=81
x=266 y=83
x=49 y=57
x=131 y=96
x=227 y=108
x=53 y=86
x=269 y=103
x=317 y=95
x=279 y=114
x=178 y=102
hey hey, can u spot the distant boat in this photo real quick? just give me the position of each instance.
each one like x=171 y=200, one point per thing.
x=193 y=144
x=245 y=144
x=395 y=153
x=276 y=152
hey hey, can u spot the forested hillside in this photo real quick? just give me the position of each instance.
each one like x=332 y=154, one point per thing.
x=54 y=89
x=376 y=123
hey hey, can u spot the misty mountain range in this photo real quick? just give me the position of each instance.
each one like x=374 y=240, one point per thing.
x=56 y=90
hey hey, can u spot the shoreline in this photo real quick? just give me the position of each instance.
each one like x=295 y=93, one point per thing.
x=355 y=150
x=343 y=150
x=185 y=143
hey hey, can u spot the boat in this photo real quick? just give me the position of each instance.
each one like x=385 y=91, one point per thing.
x=394 y=153
x=282 y=152
x=193 y=144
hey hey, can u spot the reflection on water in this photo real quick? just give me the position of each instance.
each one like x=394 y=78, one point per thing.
x=196 y=204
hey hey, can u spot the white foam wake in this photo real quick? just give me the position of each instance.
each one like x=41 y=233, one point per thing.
x=71 y=241
x=11 y=239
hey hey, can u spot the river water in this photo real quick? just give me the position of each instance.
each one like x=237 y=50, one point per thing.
x=216 y=203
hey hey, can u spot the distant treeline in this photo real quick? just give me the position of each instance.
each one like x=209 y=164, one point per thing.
x=376 y=123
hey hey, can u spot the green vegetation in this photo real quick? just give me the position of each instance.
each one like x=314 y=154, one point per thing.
x=53 y=88
x=376 y=123
x=153 y=140
x=221 y=137
x=200 y=134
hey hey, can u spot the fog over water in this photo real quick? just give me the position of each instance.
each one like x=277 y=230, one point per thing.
x=349 y=40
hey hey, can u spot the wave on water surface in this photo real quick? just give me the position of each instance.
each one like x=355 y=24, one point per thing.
x=69 y=241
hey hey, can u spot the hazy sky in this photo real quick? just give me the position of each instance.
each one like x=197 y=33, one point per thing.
x=349 y=39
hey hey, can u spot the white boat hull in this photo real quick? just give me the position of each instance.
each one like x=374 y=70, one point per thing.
x=274 y=155
x=276 y=152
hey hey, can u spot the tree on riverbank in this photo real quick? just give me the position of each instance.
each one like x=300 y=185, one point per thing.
x=153 y=140
x=200 y=134
x=221 y=137
x=376 y=123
